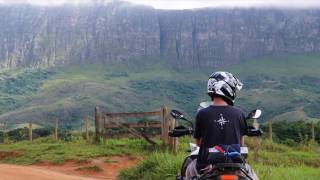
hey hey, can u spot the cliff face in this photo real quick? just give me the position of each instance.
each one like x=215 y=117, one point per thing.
x=52 y=36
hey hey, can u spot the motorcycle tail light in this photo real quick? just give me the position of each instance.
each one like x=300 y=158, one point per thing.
x=228 y=177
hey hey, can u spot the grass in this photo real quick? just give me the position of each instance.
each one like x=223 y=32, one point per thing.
x=276 y=66
x=48 y=150
x=158 y=165
x=90 y=168
x=286 y=173
x=110 y=161
x=276 y=161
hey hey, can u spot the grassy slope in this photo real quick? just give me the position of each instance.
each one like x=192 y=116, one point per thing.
x=282 y=86
x=277 y=85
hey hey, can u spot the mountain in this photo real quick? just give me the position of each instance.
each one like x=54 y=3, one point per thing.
x=60 y=62
x=35 y=36
x=284 y=87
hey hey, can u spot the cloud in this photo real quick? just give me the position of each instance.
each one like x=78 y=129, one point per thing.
x=190 y=4
x=184 y=4
x=45 y=2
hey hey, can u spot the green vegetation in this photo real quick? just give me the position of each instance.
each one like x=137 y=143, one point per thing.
x=293 y=133
x=15 y=85
x=285 y=87
x=90 y=168
x=48 y=150
x=276 y=161
x=157 y=165
x=109 y=161
x=286 y=173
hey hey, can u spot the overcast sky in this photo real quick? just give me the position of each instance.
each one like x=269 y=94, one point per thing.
x=190 y=4
x=187 y=4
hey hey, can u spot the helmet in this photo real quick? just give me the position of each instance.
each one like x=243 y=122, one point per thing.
x=225 y=85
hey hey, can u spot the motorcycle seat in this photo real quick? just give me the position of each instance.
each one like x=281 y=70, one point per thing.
x=228 y=165
x=225 y=154
x=217 y=157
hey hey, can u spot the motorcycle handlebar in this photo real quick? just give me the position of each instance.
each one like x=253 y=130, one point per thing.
x=180 y=132
x=254 y=132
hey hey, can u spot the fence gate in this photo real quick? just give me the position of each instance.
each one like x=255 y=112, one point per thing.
x=112 y=120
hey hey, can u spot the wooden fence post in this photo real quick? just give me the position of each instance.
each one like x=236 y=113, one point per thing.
x=102 y=130
x=173 y=141
x=255 y=141
x=312 y=132
x=56 y=130
x=5 y=133
x=86 y=128
x=105 y=127
x=270 y=130
x=97 y=123
x=30 y=131
x=164 y=125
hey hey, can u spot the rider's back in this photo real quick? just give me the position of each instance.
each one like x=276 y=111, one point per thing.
x=218 y=125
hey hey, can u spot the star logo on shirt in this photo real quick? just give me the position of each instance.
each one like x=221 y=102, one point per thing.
x=222 y=121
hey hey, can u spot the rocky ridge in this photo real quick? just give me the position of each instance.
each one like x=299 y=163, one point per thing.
x=33 y=36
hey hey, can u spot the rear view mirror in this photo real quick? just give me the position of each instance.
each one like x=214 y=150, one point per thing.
x=176 y=114
x=255 y=114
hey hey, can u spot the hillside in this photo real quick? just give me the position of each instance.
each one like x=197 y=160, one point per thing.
x=283 y=86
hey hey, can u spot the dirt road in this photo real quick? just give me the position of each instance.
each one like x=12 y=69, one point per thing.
x=100 y=168
x=14 y=172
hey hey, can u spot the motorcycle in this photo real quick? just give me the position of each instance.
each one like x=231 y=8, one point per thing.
x=225 y=165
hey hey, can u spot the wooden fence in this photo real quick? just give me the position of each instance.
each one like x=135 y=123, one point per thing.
x=30 y=132
x=165 y=124
x=113 y=120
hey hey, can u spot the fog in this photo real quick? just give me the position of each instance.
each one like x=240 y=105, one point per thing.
x=183 y=4
x=45 y=2
x=191 y=4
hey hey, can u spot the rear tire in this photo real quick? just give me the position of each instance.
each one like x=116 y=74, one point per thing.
x=185 y=165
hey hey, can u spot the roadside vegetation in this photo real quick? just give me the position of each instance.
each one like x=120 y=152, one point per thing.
x=49 y=150
x=276 y=161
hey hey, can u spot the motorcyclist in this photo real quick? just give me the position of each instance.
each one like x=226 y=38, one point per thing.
x=221 y=122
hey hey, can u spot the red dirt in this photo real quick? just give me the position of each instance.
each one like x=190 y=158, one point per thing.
x=13 y=154
x=103 y=168
x=15 y=172
x=109 y=166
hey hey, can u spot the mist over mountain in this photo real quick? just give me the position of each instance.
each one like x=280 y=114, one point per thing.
x=33 y=36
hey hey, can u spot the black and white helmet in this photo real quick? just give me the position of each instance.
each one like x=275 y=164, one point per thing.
x=225 y=85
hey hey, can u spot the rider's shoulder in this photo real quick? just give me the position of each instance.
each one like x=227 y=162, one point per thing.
x=237 y=109
x=204 y=111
